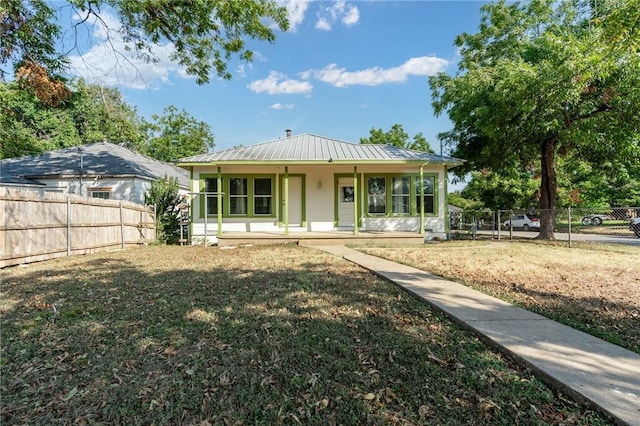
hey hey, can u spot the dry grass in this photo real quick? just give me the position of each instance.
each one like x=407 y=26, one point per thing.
x=265 y=335
x=595 y=290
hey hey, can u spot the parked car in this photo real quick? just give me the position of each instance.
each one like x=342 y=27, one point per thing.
x=634 y=225
x=522 y=221
x=594 y=219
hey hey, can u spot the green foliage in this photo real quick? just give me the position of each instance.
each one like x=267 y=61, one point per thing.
x=164 y=195
x=100 y=113
x=457 y=199
x=205 y=34
x=28 y=126
x=28 y=32
x=535 y=84
x=497 y=191
x=176 y=134
x=397 y=137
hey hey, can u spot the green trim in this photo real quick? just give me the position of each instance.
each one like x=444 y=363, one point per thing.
x=220 y=202
x=421 y=177
x=355 y=200
x=192 y=182
x=303 y=200
x=316 y=162
x=226 y=196
x=413 y=209
x=446 y=201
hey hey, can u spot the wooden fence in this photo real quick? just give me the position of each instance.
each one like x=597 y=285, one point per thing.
x=37 y=227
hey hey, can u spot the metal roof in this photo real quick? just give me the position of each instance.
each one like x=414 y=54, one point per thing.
x=100 y=158
x=308 y=147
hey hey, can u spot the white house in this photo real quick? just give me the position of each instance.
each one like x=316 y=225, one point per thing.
x=313 y=183
x=99 y=170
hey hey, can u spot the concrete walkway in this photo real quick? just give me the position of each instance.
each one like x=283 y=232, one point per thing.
x=583 y=366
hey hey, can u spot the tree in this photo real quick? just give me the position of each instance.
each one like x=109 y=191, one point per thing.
x=91 y=113
x=496 y=192
x=397 y=137
x=204 y=34
x=537 y=83
x=176 y=134
x=100 y=113
x=30 y=127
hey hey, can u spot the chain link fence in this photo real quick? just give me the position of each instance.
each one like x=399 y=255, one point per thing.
x=575 y=226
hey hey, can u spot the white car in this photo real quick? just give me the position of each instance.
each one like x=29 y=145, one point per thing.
x=634 y=225
x=522 y=221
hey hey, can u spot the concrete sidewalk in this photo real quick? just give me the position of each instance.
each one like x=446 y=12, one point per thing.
x=583 y=366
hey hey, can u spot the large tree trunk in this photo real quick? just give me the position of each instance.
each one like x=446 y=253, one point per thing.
x=548 y=188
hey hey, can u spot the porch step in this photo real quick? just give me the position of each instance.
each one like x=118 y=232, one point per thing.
x=319 y=238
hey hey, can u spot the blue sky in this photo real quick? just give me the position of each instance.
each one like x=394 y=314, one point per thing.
x=343 y=68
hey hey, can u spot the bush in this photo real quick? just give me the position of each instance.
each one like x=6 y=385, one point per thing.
x=164 y=195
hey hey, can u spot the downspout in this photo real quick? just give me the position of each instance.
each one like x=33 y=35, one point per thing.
x=422 y=199
x=355 y=200
x=286 y=200
x=219 y=195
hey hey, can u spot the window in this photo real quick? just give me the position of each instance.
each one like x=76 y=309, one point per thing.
x=347 y=194
x=376 y=188
x=401 y=192
x=100 y=194
x=211 y=188
x=238 y=196
x=262 y=196
x=400 y=195
x=429 y=195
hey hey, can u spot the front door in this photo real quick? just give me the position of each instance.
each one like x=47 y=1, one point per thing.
x=345 y=203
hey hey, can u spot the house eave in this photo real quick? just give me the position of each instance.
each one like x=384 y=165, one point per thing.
x=327 y=162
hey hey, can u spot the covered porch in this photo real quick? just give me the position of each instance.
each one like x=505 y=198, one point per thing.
x=308 y=238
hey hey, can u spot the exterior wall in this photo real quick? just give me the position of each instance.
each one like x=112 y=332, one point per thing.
x=126 y=189
x=320 y=196
x=132 y=189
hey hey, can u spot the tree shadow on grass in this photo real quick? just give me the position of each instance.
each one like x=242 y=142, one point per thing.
x=240 y=337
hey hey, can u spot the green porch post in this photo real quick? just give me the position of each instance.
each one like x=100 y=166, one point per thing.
x=447 y=219
x=286 y=200
x=422 y=199
x=356 y=231
x=219 y=195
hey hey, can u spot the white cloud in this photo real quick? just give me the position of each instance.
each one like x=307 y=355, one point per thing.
x=351 y=17
x=340 y=77
x=341 y=11
x=322 y=24
x=296 y=9
x=108 y=62
x=277 y=83
x=279 y=106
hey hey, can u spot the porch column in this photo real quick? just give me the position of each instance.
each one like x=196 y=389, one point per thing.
x=355 y=200
x=422 y=199
x=219 y=195
x=286 y=200
x=447 y=218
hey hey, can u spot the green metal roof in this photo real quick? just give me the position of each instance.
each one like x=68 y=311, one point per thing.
x=310 y=148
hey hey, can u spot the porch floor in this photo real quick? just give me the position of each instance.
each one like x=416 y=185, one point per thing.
x=309 y=238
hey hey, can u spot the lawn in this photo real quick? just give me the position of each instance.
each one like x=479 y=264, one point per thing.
x=263 y=335
x=595 y=288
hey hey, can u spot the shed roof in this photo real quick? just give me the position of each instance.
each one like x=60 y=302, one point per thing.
x=96 y=159
x=313 y=148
